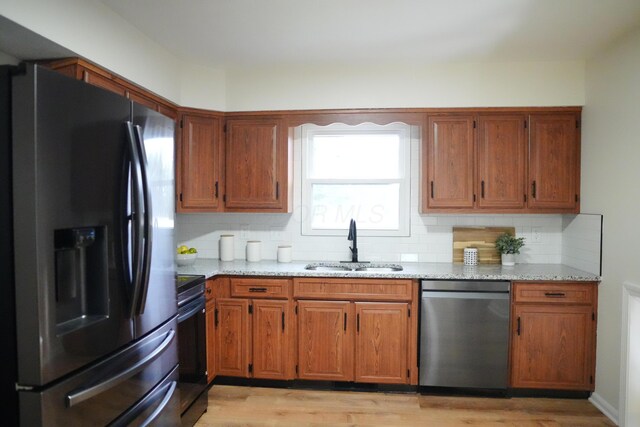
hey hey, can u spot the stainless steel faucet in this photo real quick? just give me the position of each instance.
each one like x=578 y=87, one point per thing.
x=353 y=236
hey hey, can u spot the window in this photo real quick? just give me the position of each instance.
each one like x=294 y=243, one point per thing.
x=359 y=172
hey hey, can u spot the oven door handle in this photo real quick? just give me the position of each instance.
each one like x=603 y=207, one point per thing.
x=190 y=309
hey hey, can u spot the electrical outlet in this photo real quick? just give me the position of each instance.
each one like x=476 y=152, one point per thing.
x=408 y=257
x=536 y=234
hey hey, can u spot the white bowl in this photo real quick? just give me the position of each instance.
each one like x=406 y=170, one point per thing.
x=184 y=260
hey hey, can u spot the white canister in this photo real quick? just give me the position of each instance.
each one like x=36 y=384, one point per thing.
x=226 y=247
x=284 y=253
x=470 y=256
x=254 y=251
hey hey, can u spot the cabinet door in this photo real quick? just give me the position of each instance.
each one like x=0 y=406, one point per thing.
x=502 y=155
x=554 y=162
x=270 y=339
x=201 y=160
x=233 y=337
x=552 y=346
x=256 y=166
x=381 y=342
x=325 y=340
x=210 y=317
x=449 y=163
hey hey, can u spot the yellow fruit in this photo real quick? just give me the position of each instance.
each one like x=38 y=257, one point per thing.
x=183 y=249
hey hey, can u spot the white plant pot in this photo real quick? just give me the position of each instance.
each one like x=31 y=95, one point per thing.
x=509 y=259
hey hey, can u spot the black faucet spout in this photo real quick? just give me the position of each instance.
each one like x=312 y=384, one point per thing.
x=353 y=237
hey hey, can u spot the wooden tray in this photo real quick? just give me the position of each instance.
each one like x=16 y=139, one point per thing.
x=483 y=238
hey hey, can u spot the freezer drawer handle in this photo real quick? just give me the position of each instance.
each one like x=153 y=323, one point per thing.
x=166 y=393
x=79 y=396
x=160 y=408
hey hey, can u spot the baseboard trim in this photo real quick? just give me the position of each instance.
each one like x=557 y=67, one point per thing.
x=604 y=407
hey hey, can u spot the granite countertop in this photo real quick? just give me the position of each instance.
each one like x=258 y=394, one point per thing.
x=411 y=270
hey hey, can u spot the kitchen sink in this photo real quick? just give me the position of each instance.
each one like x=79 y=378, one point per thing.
x=327 y=268
x=394 y=267
x=356 y=266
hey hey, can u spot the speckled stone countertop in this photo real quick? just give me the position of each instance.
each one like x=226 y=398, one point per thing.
x=411 y=270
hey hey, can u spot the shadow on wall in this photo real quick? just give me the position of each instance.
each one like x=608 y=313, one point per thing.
x=582 y=242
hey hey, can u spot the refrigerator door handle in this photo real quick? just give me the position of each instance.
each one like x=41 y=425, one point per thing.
x=80 y=395
x=136 y=218
x=147 y=219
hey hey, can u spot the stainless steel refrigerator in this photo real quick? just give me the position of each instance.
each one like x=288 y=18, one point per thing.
x=88 y=293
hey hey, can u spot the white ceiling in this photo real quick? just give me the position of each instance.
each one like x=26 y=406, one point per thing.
x=228 y=33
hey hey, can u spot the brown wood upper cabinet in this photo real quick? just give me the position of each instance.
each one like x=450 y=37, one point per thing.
x=200 y=156
x=257 y=166
x=81 y=69
x=512 y=162
x=502 y=156
x=554 y=162
x=449 y=162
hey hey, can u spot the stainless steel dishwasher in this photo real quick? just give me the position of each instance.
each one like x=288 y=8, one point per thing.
x=464 y=335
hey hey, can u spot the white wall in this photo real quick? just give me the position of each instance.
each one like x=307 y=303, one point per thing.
x=610 y=183
x=202 y=87
x=406 y=85
x=92 y=30
x=6 y=59
x=581 y=241
x=95 y=32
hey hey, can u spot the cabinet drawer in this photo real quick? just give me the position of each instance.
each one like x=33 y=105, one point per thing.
x=260 y=288
x=549 y=293
x=353 y=289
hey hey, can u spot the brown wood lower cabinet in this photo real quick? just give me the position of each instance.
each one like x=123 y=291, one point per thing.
x=233 y=337
x=253 y=338
x=381 y=342
x=325 y=340
x=553 y=340
x=271 y=341
x=362 y=341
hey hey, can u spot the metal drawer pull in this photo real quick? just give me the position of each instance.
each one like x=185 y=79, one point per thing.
x=555 y=294
x=257 y=289
x=80 y=395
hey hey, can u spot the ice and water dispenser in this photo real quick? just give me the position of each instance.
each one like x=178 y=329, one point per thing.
x=81 y=277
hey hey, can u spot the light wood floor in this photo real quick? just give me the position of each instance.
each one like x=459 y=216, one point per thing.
x=253 y=406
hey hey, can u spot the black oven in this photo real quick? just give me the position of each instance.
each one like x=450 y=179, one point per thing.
x=192 y=348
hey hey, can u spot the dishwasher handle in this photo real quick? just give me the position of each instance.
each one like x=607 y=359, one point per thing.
x=465 y=295
x=465 y=286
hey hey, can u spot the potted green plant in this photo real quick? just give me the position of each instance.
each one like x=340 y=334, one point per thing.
x=509 y=246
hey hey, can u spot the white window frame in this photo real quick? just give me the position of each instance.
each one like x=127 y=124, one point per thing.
x=309 y=131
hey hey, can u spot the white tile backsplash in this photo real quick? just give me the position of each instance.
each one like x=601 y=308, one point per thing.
x=427 y=243
x=581 y=243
